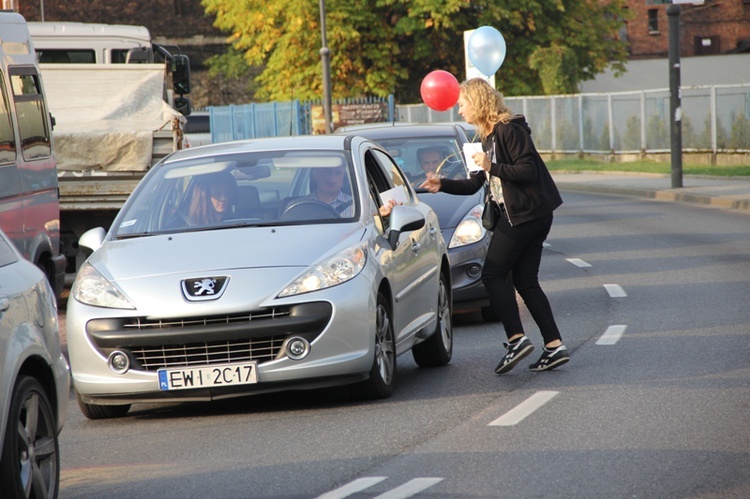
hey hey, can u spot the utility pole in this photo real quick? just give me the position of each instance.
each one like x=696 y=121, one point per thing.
x=325 y=56
x=675 y=99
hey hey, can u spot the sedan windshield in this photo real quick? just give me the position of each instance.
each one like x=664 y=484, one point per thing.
x=262 y=188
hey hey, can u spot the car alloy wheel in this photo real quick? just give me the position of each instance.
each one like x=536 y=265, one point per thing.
x=30 y=463
x=383 y=372
x=437 y=350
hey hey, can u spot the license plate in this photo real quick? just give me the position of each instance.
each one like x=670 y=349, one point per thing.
x=185 y=378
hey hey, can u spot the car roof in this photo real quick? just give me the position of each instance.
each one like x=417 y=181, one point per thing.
x=380 y=130
x=294 y=142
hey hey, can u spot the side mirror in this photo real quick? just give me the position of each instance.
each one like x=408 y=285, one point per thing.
x=181 y=74
x=182 y=105
x=403 y=219
x=91 y=240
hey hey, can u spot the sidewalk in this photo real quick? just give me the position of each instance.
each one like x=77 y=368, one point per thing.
x=721 y=192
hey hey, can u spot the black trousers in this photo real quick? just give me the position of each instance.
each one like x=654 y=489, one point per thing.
x=517 y=251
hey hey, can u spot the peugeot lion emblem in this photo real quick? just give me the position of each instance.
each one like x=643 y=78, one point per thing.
x=204 y=288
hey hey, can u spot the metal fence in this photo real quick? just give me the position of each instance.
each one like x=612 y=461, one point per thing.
x=280 y=119
x=714 y=119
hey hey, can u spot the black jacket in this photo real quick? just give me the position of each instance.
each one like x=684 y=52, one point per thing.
x=528 y=189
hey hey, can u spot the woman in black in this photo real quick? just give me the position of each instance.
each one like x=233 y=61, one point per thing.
x=523 y=187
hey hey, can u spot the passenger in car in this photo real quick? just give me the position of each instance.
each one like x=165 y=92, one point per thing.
x=212 y=199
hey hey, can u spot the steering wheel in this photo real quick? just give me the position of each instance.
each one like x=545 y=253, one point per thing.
x=309 y=209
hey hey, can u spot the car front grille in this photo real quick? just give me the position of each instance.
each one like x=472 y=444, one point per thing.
x=261 y=350
x=142 y=323
x=257 y=335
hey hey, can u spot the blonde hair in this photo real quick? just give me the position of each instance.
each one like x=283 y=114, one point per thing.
x=487 y=104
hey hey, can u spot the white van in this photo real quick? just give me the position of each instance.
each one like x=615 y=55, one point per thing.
x=29 y=200
x=88 y=43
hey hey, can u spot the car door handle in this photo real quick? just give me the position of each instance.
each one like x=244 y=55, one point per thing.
x=4 y=304
x=433 y=231
x=415 y=247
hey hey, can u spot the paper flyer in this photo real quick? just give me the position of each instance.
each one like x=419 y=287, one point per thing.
x=398 y=194
x=470 y=149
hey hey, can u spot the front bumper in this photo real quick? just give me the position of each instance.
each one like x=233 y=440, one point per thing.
x=340 y=334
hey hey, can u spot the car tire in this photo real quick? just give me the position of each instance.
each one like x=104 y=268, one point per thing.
x=437 y=350
x=383 y=373
x=489 y=314
x=94 y=411
x=30 y=461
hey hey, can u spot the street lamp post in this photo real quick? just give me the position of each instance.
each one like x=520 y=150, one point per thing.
x=675 y=100
x=325 y=56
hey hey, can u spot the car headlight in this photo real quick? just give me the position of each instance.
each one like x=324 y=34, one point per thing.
x=338 y=269
x=470 y=229
x=91 y=288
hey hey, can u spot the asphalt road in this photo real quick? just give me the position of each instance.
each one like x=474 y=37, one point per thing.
x=652 y=301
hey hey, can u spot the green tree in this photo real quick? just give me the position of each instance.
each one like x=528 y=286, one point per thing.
x=381 y=47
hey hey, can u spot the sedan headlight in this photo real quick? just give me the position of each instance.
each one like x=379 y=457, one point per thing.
x=470 y=229
x=91 y=288
x=338 y=269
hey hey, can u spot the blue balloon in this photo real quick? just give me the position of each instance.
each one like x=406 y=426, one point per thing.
x=486 y=50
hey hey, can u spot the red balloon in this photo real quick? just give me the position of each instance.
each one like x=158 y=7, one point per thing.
x=440 y=90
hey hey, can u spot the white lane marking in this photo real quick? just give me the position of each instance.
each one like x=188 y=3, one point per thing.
x=615 y=291
x=578 y=262
x=546 y=245
x=350 y=488
x=524 y=409
x=410 y=488
x=611 y=335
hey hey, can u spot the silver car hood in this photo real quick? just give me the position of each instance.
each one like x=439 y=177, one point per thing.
x=259 y=261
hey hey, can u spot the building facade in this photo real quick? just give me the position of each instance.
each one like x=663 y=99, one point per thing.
x=711 y=27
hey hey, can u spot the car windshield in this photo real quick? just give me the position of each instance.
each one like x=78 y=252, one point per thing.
x=422 y=156
x=250 y=189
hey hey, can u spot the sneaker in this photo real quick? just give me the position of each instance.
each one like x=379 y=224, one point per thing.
x=551 y=359
x=513 y=353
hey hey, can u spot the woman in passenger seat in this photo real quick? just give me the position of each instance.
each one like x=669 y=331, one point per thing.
x=213 y=198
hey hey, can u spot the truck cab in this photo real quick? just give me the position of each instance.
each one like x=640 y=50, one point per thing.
x=92 y=43
x=29 y=202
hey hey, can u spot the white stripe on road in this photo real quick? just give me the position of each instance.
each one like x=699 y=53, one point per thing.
x=615 y=291
x=357 y=485
x=611 y=335
x=524 y=409
x=578 y=262
x=410 y=488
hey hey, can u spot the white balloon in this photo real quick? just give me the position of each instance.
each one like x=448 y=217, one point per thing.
x=486 y=50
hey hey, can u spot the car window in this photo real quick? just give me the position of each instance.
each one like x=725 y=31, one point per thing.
x=268 y=188
x=391 y=172
x=412 y=153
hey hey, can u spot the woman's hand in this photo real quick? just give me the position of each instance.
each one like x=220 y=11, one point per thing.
x=482 y=159
x=432 y=184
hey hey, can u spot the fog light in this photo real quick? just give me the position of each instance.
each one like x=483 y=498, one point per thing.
x=474 y=270
x=297 y=348
x=119 y=362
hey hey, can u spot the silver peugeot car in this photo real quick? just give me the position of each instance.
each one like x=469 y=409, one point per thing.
x=259 y=266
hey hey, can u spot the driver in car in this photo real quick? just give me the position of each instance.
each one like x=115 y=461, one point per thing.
x=325 y=186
